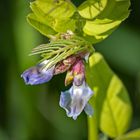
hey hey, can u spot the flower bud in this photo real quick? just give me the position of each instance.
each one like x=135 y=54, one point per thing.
x=78 y=72
x=69 y=78
x=64 y=65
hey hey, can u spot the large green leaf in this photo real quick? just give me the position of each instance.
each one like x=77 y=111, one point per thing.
x=116 y=10
x=64 y=25
x=40 y=26
x=106 y=21
x=61 y=9
x=90 y=9
x=111 y=102
x=47 y=19
x=100 y=29
x=55 y=15
x=133 y=135
x=101 y=17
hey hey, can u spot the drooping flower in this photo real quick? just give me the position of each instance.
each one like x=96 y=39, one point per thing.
x=75 y=100
x=37 y=74
x=65 y=52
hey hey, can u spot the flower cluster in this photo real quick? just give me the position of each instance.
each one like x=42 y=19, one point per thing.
x=74 y=100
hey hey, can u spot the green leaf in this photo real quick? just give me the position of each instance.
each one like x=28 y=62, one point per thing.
x=57 y=10
x=41 y=15
x=100 y=28
x=40 y=26
x=111 y=101
x=55 y=15
x=90 y=9
x=116 y=10
x=133 y=135
x=64 y=25
x=108 y=19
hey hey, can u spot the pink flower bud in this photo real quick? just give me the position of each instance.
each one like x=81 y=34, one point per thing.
x=79 y=72
x=64 y=65
x=60 y=68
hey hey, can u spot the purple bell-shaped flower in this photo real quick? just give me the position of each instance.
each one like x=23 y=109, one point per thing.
x=75 y=100
x=37 y=74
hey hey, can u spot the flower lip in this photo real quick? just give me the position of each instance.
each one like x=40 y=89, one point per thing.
x=36 y=75
x=78 y=79
x=75 y=100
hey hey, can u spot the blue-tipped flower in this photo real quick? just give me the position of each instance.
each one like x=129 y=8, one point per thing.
x=37 y=74
x=75 y=100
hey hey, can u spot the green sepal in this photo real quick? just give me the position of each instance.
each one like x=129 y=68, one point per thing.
x=59 y=49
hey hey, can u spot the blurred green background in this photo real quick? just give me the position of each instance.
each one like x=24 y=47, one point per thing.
x=33 y=112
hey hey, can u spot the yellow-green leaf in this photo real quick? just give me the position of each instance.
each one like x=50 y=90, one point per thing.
x=111 y=102
x=61 y=9
x=116 y=10
x=133 y=135
x=56 y=15
x=108 y=19
x=40 y=26
x=40 y=15
x=90 y=9
x=99 y=27
x=64 y=25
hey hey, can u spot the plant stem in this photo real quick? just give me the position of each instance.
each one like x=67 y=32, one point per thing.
x=92 y=128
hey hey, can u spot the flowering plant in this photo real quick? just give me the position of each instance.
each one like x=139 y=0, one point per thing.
x=72 y=31
x=66 y=53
